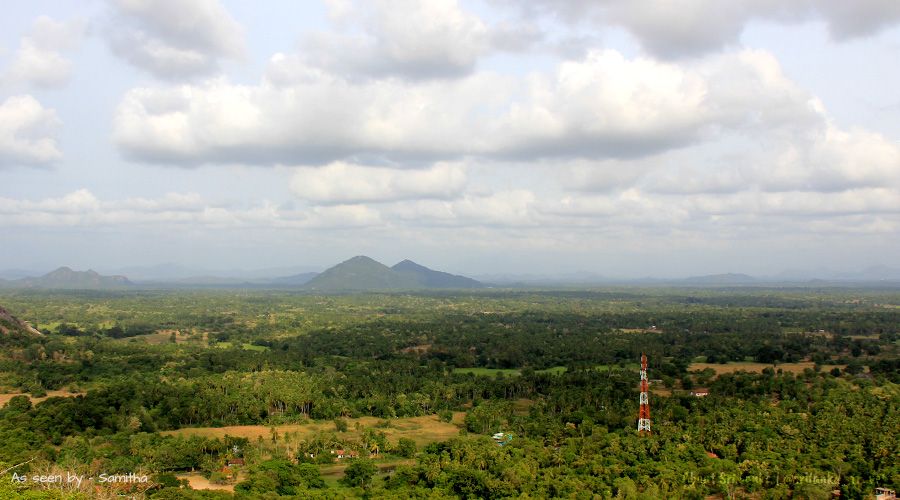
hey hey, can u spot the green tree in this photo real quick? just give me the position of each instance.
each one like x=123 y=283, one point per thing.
x=405 y=448
x=359 y=473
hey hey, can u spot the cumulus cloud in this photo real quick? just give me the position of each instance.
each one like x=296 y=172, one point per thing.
x=407 y=38
x=847 y=20
x=174 y=39
x=342 y=183
x=39 y=59
x=677 y=29
x=27 y=132
x=605 y=106
x=821 y=159
x=505 y=208
x=835 y=160
x=81 y=208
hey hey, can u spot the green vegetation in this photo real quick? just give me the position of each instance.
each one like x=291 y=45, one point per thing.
x=396 y=395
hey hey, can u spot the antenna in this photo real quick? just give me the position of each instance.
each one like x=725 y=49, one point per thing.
x=644 y=413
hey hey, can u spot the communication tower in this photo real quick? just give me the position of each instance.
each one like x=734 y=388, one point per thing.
x=644 y=413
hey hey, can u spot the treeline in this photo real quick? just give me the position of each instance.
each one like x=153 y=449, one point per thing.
x=823 y=434
x=537 y=340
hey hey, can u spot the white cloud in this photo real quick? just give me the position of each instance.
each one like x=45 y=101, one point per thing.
x=82 y=208
x=505 y=208
x=408 y=38
x=27 y=132
x=174 y=39
x=342 y=183
x=694 y=27
x=604 y=175
x=820 y=159
x=39 y=60
x=834 y=160
x=606 y=106
x=847 y=20
x=310 y=122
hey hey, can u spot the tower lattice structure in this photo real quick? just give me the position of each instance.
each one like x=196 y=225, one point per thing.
x=644 y=413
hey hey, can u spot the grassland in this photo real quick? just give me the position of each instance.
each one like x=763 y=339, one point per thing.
x=423 y=430
x=752 y=367
x=4 y=398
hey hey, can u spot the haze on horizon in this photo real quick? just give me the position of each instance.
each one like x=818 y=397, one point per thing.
x=623 y=138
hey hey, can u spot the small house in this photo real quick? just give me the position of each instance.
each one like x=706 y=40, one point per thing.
x=885 y=494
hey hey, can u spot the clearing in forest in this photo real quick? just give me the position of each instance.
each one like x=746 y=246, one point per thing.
x=4 y=398
x=746 y=366
x=423 y=430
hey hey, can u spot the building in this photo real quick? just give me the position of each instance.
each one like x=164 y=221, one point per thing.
x=885 y=494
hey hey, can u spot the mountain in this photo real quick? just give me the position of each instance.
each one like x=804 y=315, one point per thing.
x=10 y=324
x=361 y=273
x=364 y=273
x=66 y=278
x=430 y=278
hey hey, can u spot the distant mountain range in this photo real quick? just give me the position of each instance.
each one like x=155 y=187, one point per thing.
x=66 y=278
x=872 y=273
x=364 y=273
x=174 y=273
x=356 y=274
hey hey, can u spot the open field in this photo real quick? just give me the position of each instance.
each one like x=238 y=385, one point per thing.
x=245 y=346
x=513 y=372
x=198 y=482
x=4 y=398
x=509 y=372
x=422 y=430
x=746 y=366
x=334 y=473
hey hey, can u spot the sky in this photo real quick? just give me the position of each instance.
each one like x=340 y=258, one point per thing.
x=624 y=138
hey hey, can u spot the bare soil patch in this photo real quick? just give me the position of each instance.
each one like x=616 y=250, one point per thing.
x=198 y=482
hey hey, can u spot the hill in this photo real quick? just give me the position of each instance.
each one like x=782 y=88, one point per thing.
x=360 y=273
x=429 y=278
x=364 y=273
x=10 y=324
x=66 y=278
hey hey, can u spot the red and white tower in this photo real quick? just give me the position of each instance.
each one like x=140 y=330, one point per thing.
x=644 y=413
